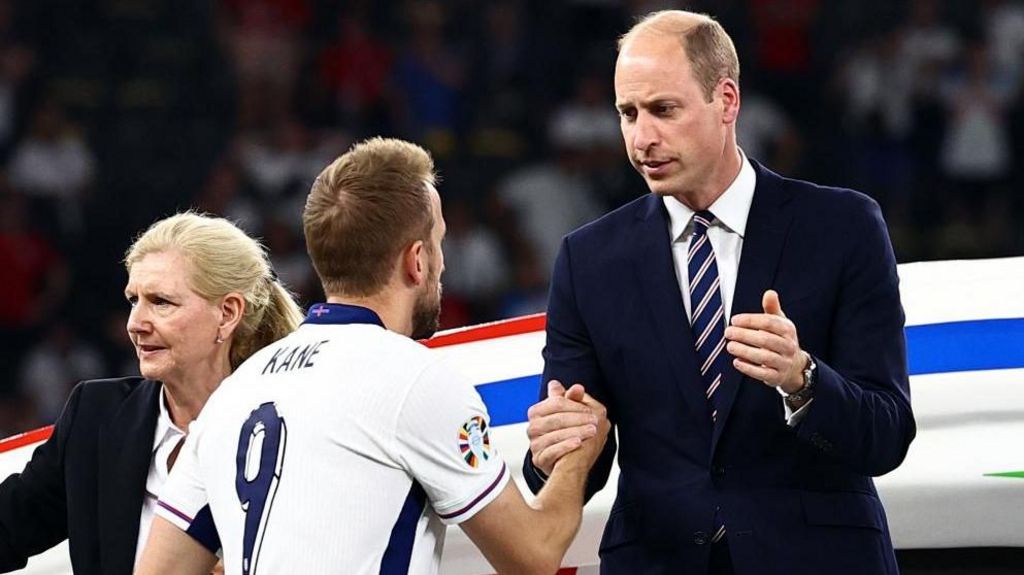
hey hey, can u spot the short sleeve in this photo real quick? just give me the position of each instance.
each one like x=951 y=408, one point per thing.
x=443 y=438
x=183 y=499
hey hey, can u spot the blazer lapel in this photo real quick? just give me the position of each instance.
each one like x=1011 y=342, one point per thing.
x=767 y=227
x=655 y=272
x=125 y=451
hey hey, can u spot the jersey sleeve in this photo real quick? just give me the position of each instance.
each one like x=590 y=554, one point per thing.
x=443 y=439
x=183 y=499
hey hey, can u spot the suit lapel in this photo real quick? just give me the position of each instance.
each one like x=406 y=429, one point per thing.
x=125 y=451
x=655 y=272
x=767 y=226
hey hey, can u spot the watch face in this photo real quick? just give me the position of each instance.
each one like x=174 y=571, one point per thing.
x=811 y=372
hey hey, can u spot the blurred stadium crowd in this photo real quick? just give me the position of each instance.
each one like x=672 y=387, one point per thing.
x=116 y=112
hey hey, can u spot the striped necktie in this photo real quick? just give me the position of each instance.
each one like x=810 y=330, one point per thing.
x=708 y=321
x=707 y=316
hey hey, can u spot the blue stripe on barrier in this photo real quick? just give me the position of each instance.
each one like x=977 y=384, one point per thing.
x=508 y=400
x=933 y=348
x=965 y=346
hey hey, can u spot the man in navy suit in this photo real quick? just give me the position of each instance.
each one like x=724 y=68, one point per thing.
x=744 y=331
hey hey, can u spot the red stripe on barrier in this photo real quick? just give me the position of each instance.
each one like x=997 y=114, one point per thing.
x=504 y=328
x=567 y=571
x=28 y=438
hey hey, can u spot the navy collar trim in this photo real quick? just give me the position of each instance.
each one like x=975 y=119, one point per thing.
x=340 y=314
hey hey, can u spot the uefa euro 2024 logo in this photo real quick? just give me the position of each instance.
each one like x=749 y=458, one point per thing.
x=475 y=441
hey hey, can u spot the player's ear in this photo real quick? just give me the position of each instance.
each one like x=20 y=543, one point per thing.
x=414 y=263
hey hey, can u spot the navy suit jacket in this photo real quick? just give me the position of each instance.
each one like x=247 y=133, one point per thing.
x=86 y=483
x=794 y=500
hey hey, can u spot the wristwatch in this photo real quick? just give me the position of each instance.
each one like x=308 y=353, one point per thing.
x=805 y=393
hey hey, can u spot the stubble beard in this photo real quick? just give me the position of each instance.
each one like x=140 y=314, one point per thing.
x=426 y=315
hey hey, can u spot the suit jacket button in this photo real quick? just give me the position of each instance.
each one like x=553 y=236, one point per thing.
x=700 y=538
x=718 y=470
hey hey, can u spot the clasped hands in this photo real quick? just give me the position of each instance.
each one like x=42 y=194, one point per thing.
x=564 y=422
x=764 y=346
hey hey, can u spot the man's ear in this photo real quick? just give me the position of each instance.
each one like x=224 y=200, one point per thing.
x=729 y=93
x=414 y=263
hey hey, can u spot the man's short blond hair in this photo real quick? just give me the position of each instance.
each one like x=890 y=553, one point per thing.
x=363 y=210
x=709 y=48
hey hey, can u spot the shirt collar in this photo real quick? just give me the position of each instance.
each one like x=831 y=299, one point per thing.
x=164 y=424
x=731 y=208
x=339 y=313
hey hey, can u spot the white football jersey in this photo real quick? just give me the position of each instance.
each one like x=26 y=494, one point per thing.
x=342 y=448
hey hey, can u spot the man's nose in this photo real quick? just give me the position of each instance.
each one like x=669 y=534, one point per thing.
x=645 y=133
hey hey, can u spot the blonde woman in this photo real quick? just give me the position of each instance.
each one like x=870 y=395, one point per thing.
x=203 y=299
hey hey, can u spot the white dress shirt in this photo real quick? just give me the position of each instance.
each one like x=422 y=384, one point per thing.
x=165 y=439
x=726 y=233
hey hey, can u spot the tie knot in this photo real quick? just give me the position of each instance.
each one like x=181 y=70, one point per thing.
x=702 y=221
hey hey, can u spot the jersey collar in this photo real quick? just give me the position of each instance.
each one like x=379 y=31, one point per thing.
x=339 y=313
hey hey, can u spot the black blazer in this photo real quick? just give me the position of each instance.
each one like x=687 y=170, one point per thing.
x=86 y=483
x=795 y=500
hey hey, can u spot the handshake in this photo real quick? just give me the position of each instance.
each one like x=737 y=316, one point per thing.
x=569 y=427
